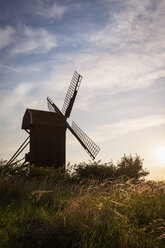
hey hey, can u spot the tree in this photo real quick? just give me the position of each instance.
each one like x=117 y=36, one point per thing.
x=131 y=167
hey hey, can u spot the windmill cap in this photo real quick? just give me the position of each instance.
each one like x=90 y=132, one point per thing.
x=33 y=117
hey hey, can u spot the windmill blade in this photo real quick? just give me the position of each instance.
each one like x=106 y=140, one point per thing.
x=71 y=94
x=50 y=105
x=91 y=148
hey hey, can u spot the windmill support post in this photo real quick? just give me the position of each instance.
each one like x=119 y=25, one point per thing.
x=18 y=152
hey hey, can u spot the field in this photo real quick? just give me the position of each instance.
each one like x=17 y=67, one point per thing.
x=42 y=207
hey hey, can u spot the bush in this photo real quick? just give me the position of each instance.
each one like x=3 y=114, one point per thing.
x=13 y=170
x=28 y=172
x=129 y=167
x=47 y=173
x=94 y=170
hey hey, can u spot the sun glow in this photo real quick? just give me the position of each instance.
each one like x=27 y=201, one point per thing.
x=160 y=154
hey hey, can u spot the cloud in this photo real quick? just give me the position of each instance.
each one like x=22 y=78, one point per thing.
x=133 y=26
x=8 y=68
x=54 y=11
x=6 y=36
x=13 y=107
x=128 y=51
x=114 y=72
x=34 y=40
x=14 y=98
x=112 y=131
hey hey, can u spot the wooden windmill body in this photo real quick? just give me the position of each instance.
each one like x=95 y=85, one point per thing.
x=47 y=137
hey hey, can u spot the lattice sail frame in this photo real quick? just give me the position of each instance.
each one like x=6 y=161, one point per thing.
x=50 y=105
x=92 y=148
x=71 y=94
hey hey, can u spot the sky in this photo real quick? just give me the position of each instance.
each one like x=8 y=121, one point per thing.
x=119 y=49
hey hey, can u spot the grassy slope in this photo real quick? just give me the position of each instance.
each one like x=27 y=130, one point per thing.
x=41 y=213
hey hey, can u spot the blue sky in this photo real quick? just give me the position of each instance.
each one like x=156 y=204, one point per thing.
x=117 y=46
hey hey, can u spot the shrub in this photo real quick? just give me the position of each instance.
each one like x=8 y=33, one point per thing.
x=28 y=172
x=48 y=173
x=16 y=169
x=131 y=167
x=94 y=170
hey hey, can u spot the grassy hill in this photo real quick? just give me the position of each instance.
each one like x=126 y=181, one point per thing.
x=44 y=207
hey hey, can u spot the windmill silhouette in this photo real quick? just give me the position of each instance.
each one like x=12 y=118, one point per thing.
x=47 y=131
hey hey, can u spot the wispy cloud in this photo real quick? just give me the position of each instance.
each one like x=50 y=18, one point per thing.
x=6 y=36
x=14 y=98
x=112 y=131
x=9 y=68
x=128 y=52
x=50 y=11
x=137 y=27
x=34 y=40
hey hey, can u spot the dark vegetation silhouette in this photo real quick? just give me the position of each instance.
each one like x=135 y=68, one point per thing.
x=89 y=205
x=127 y=167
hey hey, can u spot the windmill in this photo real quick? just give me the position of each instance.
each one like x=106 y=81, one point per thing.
x=47 y=131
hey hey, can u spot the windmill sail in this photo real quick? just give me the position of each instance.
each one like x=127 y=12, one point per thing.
x=90 y=146
x=71 y=94
x=50 y=105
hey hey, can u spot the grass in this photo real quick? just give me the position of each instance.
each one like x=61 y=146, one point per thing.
x=44 y=211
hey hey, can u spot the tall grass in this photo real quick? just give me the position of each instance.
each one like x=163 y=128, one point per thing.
x=44 y=207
